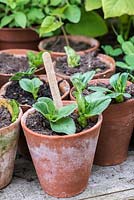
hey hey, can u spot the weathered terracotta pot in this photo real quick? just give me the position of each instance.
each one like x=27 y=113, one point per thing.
x=8 y=145
x=90 y=41
x=64 y=88
x=106 y=74
x=63 y=163
x=4 y=78
x=116 y=131
x=18 y=38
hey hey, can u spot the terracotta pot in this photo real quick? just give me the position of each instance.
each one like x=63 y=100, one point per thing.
x=63 y=163
x=8 y=145
x=18 y=38
x=4 y=78
x=90 y=41
x=106 y=74
x=116 y=131
x=64 y=88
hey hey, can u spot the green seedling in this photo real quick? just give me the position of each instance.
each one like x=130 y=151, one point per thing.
x=73 y=59
x=59 y=119
x=19 y=75
x=35 y=59
x=31 y=85
x=91 y=105
x=119 y=83
x=80 y=80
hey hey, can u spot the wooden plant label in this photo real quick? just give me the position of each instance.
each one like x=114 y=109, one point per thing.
x=52 y=79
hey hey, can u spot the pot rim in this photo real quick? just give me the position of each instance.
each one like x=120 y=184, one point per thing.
x=16 y=28
x=14 y=123
x=19 y=53
x=41 y=77
x=109 y=61
x=31 y=110
x=89 y=40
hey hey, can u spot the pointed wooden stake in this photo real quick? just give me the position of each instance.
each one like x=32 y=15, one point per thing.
x=52 y=79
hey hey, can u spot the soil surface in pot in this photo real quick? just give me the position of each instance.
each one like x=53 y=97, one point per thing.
x=88 y=62
x=129 y=89
x=10 y=64
x=5 y=117
x=14 y=91
x=37 y=123
x=59 y=43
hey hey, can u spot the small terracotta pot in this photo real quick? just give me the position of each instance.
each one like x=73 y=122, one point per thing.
x=116 y=131
x=4 y=78
x=63 y=163
x=106 y=74
x=8 y=145
x=64 y=88
x=18 y=38
x=90 y=41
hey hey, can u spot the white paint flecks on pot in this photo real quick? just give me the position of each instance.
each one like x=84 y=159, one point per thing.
x=63 y=163
x=8 y=146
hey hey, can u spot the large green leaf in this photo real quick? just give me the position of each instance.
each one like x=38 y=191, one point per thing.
x=90 y=24
x=115 y=8
x=49 y=24
x=92 y=4
x=65 y=125
x=73 y=13
x=20 y=19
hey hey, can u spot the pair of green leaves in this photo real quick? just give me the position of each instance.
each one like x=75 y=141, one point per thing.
x=59 y=118
x=35 y=60
x=31 y=85
x=80 y=80
x=119 y=83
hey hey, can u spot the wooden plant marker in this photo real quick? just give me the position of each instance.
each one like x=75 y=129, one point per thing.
x=52 y=79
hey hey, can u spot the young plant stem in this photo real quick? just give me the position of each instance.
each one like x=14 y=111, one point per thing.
x=64 y=33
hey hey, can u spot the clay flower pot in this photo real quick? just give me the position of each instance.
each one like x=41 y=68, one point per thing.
x=18 y=38
x=64 y=88
x=4 y=78
x=116 y=131
x=109 y=61
x=8 y=145
x=63 y=163
x=93 y=44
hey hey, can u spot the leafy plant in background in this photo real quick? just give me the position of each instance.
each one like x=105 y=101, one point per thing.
x=58 y=118
x=90 y=105
x=109 y=50
x=119 y=83
x=69 y=16
x=22 y=13
x=31 y=85
x=123 y=9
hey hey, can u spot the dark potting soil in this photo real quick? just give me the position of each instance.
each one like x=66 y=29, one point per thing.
x=14 y=91
x=37 y=123
x=88 y=62
x=59 y=43
x=129 y=89
x=5 y=117
x=10 y=64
